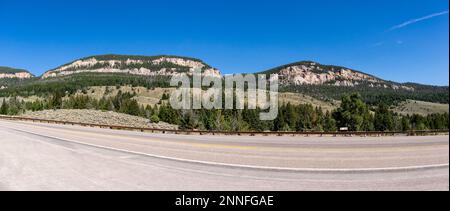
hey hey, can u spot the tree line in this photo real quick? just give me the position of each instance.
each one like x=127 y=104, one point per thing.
x=374 y=96
x=72 y=83
x=353 y=113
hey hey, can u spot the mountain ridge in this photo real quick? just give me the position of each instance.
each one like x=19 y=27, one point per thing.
x=164 y=65
x=9 y=72
x=323 y=82
x=294 y=74
x=313 y=73
x=123 y=56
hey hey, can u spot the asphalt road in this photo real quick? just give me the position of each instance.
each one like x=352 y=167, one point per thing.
x=35 y=156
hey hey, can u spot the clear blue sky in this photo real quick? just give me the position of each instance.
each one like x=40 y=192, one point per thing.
x=400 y=40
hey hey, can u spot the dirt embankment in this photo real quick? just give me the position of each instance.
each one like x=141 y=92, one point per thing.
x=98 y=117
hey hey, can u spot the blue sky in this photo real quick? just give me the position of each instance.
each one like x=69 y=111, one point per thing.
x=399 y=40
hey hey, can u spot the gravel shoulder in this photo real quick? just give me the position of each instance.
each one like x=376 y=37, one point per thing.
x=98 y=117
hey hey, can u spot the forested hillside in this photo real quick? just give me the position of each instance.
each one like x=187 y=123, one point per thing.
x=372 y=95
x=353 y=113
x=11 y=70
x=70 y=84
x=353 y=99
x=14 y=73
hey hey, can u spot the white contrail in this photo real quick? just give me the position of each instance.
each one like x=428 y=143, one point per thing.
x=418 y=20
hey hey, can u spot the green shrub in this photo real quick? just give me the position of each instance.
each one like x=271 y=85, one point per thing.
x=154 y=119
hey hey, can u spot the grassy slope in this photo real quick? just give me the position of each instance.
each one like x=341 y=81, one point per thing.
x=144 y=96
x=315 y=95
x=297 y=99
x=152 y=96
x=420 y=107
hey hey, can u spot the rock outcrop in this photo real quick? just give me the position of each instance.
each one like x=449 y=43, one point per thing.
x=300 y=73
x=311 y=73
x=8 y=72
x=136 y=65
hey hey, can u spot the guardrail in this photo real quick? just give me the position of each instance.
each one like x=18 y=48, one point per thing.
x=246 y=133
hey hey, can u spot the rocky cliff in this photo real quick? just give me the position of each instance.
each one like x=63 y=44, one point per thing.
x=8 y=72
x=312 y=73
x=136 y=65
x=300 y=73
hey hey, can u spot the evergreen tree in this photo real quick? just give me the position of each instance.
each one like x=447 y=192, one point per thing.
x=329 y=123
x=4 y=108
x=353 y=113
x=384 y=119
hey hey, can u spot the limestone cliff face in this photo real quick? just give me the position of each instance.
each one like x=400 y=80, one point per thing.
x=136 y=65
x=8 y=72
x=21 y=75
x=301 y=73
x=311 y=73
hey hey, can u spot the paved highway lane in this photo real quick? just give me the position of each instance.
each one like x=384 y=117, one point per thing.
x=36 y=156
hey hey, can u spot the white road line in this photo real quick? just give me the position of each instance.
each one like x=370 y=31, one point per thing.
x=356 y=170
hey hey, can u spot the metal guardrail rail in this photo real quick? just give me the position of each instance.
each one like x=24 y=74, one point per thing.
x=246 y=133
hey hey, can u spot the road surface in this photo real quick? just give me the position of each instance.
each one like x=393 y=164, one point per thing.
x=36 y=156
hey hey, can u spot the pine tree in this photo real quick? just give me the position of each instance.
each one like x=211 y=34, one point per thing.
x=4 y=108
x=354 y=114
x=384 y=119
